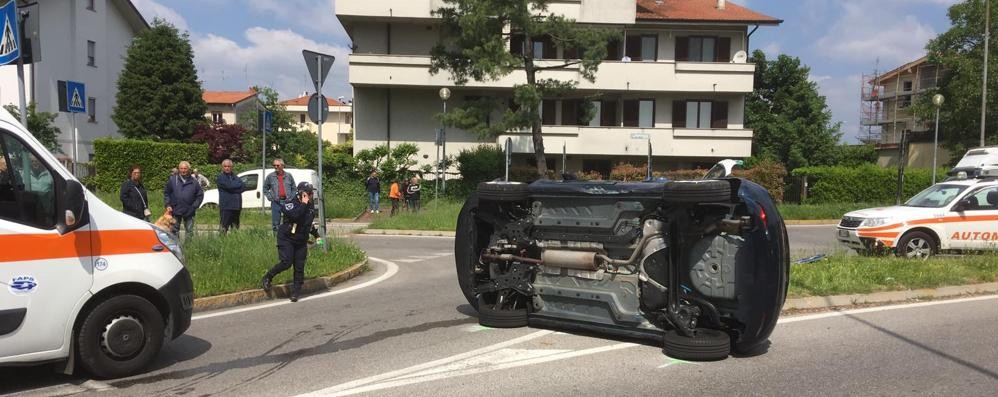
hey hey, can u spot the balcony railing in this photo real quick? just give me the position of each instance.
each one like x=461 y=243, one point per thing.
x=633 y=141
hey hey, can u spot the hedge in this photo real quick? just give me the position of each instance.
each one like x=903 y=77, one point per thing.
x=767 y=173
x=113 y=157
x=866 y=183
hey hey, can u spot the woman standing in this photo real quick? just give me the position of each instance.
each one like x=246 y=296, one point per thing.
x=134 y=200
x=412 y=191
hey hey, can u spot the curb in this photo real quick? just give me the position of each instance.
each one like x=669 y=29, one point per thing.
x=827 y=302
x=396 y=232
x=278 y=291
x=811 y=222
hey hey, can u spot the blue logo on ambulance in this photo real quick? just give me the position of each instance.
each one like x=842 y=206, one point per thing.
x=22 y=285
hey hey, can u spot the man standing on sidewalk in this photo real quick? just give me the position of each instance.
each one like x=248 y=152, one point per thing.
x=230 y=197
x=374 y=192
x=182 y=196
x=278 y=187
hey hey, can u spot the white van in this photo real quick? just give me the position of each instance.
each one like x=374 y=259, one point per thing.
x=977 y=162
x=80 y=282
x=253 y=195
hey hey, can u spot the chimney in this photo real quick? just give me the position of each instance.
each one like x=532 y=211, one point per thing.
x=720 y=4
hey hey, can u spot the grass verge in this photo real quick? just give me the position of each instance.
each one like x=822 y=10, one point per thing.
x=236 y=261
x=821 y=211
x=840 y=274
x=439 y=215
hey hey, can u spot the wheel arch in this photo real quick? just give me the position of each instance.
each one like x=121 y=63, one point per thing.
x=129 y=288
x=927 y=230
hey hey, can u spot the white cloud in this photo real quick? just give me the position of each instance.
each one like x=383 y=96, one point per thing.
x=315 y=15
x=863 y=32
x=151 y=10
x=772 y=49
x=842 y=96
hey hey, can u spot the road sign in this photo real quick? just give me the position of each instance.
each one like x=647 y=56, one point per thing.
x=76 y=94
x=265 y=121
x=10 y=40
x=318 y=108
x=318 y=67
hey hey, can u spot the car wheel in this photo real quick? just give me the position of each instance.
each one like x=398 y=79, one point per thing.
x=489 y=316
x=503 y=192
x=119 y=337
x=692 y=192
x=916 y=245
x=706 y=345
x=468 y=245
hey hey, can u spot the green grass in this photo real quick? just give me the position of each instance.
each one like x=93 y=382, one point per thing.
x=440 y=215
x=821 y=211
x=236 y=261
x=842 y=274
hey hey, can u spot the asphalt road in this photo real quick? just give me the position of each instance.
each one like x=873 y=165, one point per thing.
x=410 y=332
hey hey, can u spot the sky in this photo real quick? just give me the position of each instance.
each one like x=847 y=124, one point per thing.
x=239 y=43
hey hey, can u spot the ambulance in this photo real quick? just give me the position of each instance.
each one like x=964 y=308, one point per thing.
x=959 y=214
x=82 y=285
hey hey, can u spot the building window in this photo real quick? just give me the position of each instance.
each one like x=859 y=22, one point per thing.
x=91 y=53
x=642 y=48
x=639 y=113
x=91 y=6
x=216 y=117
x=541 y=47
x=906 y=86
x=548 y=112
x=301 y=118
x=703 y=49
x=700 y=114
x=92 y=109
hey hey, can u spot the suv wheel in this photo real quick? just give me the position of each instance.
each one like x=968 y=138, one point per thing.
x=706 y=345
x=916 y=245
x=693 y=192
x=503 y=192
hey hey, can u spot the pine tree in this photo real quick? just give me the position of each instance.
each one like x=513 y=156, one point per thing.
x=159 y=96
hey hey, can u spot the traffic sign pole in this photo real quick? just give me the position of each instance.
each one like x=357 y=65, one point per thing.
x=322 y=201
x=20 y=71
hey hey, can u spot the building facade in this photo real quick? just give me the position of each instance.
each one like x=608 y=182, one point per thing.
x=224 y=107
x=338 y=127
x=84 y=41
x=678 y=79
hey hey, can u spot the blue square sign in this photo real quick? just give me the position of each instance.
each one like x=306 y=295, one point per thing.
x=76 y=94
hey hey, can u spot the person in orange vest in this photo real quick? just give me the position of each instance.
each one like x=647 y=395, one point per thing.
x=395 y=195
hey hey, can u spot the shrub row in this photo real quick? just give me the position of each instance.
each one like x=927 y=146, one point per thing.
x=767 y=173
x=113 y=157
x=864 y=183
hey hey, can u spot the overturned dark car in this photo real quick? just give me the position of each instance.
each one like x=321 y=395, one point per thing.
x=701 y=265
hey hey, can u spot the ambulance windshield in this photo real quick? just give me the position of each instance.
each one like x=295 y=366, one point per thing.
x=936 y=196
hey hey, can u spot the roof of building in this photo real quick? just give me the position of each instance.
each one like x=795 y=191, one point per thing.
x=303 y=101
x=906 y=68
x=227 y=97
x=132 y=14
x=700 y=11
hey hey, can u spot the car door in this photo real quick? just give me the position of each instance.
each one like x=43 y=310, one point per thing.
x=253 y=191
x=977 y=227
x=43 y=274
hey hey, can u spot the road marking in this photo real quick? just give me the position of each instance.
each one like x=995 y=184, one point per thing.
x=404 y=260
x=66 y=389
x=403 y=236
x=392 y=269
x=819 y=316
x=676 y=361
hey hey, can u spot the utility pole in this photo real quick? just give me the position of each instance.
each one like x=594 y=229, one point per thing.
x=984 y=85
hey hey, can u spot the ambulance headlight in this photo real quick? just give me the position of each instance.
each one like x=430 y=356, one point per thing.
x=170 y=243
x=873 y=222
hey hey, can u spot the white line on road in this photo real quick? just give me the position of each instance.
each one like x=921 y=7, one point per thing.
x=392 y=269
x=819 y=316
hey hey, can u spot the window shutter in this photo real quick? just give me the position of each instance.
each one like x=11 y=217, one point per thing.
x=719 y=115
x=682 y=48
x=631 y=113
x=613 y=51
x=516 y=44
x=678 y=114
x=548 y=112
x=569 y=112
x=608 y=114
x=723 y=49
x=634 y=47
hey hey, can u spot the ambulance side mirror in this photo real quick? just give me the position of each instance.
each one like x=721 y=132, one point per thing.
x=962 y=205
x=72 y=208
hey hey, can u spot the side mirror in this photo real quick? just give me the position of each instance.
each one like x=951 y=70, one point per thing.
x=962 y=205
x=72 y=209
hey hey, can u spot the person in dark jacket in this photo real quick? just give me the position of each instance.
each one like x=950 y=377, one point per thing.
x=373 y=187
x=278 y=186
x=182 y=196
x=134 y=199
x=413 y=193
x=292 y=238
x=230 y=197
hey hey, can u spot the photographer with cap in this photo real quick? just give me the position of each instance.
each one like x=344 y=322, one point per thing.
x=292 y=238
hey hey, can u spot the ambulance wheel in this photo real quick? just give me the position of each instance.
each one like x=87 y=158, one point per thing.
x=917 y=245
x=119 y=337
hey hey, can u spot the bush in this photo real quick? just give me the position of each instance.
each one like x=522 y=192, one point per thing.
x=481 y=164
x=770 y=174
x=628 y=172
x=224 y=141
x=864 y=183
x=113 y=157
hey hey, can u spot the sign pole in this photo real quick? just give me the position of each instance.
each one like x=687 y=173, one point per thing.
x=20 y=71
x=76 y=144
x=321 y=199
x=509 y=150
x=263 y=158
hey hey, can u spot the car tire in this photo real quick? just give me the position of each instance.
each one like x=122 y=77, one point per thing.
x=467 y=247
x=489 y=317
x=916 y=245
x=706 y=345
x=692 y=192
x=503 y=192
x=119 y=337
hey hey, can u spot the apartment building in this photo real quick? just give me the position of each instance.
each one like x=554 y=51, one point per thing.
x=678 y=79
x=224 y=107
x=84 y=41
x=887 y=112
x=338 y=127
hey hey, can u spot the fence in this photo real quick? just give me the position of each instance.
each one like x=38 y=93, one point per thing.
x=796 y=189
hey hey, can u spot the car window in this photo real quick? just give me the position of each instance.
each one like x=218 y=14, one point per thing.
x=985 y=199
x=936 y=196
x=250 y=181
x=27 y=194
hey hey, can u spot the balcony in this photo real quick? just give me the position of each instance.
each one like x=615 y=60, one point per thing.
x=413 y=71
x=632 y=141
x=604 y=11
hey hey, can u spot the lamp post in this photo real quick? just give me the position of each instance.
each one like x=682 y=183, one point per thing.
x=340 y=126
x=984 y=84
x=261 y=110
x=937 y=100
x=442 y=170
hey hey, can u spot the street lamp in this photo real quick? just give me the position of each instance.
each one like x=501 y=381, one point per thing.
x=261 y=111
x=937 y=100
x=338 y=127
x=444 y=96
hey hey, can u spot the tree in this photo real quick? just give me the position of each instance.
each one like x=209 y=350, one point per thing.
x=159 y=96
x=391 y=165
x=474 y=46
x=224 y=141
x=960 y=52
x=40 y=125
x=792 y=122
x=281 y=120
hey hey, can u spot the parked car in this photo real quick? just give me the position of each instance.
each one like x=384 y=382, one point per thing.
x=253 y=195
x=977 y=162
x=700 y=265
x=958 y=214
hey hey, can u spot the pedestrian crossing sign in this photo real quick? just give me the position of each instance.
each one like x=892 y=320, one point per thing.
x=75 y=94
x=10 y=40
